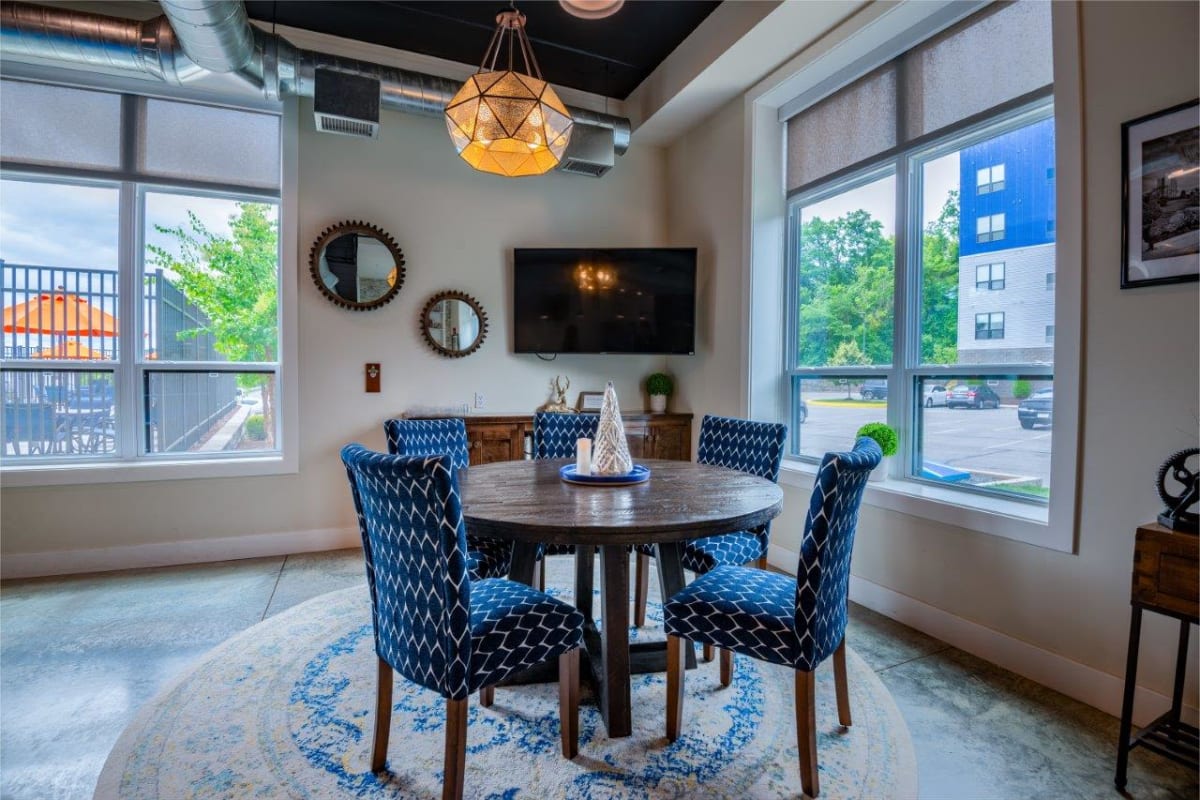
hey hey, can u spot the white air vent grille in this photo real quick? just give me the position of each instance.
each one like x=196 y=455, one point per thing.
x=328 y=123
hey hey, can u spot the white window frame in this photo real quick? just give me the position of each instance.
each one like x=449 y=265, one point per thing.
x=990 y=327
x=990 y=228
x=166 y=466
x=863 y=42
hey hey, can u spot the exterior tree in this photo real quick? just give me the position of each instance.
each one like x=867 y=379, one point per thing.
x=848 y=354
x=234 y=281
x=939 y=288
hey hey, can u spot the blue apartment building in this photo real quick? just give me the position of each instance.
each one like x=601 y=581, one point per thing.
x=1006 y=248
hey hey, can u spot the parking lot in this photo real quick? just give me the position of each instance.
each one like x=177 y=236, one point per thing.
x=989 y=443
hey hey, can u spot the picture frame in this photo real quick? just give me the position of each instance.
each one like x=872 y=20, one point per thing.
x=590 y=402
x=1160 y=197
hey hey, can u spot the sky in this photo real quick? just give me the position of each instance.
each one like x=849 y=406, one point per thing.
x=879 y=198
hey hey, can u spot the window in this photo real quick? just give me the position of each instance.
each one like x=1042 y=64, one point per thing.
x=989 y=179
x=144 y=316
x=1050 y=226
x=989 y=276
x=1049 y=334
x=893 y=258
x=1050 y=281
x=989 y=326
x=989 y=228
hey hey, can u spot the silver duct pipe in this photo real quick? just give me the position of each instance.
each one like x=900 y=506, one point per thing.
x=217 y=36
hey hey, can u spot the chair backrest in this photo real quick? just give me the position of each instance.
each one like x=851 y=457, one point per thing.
x=429 y=437
x=741 y=444
x=823 y=576
x=554 y=435
x=414 y=540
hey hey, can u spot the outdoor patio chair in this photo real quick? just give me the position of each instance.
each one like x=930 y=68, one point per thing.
x=486 y=558
x=744 y=445
x=797 y=622
x=433 y=624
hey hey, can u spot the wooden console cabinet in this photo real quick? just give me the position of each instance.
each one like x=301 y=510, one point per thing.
x=508 y=437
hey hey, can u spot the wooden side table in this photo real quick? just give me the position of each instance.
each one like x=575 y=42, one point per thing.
x=1166 y=575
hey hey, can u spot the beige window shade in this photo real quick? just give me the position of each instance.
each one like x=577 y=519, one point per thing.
x=996 y=55
x=847 y=127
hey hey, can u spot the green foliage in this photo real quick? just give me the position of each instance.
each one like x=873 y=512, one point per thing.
x=884 y=435
x=660 y=383
x=234 y=281
x=1022 y=388
x=256 y=427
x=848 y=354
x=846 y=289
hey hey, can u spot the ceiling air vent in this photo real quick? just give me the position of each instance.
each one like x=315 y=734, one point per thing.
x=590 y=151
x=346 y=103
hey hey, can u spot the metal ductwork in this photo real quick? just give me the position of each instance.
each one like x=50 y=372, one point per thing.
x=196 y=36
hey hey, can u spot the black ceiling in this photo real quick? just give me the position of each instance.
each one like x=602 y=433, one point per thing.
x=609 y=56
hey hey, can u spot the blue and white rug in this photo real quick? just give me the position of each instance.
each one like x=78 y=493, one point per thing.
x=284 y=709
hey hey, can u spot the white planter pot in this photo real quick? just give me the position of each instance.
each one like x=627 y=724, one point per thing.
x=658 y=403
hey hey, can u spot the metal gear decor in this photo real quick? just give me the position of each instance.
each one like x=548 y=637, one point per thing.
x=507 y=122
x=1178 y=484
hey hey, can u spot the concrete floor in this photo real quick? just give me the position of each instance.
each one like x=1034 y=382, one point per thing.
x=79 y=655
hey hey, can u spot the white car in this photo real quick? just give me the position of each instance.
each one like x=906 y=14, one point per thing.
x=935 y=395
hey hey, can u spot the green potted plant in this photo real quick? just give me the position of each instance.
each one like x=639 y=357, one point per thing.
x=887 y=439
x=659 y=386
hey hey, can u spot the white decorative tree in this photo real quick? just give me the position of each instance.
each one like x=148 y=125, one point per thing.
x=610 y=455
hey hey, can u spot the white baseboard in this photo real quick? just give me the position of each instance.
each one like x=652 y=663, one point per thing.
x=169 y=554
x=1086 y=684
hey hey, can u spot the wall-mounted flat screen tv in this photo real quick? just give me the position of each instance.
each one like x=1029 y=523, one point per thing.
x=620 y=300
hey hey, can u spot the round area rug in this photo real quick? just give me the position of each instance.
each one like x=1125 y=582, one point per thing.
x=285 y=709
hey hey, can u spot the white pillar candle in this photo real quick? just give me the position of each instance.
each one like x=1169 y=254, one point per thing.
x=583 y=457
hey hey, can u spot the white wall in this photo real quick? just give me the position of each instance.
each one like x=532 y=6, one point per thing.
x=1140 y=358
x=457 y=228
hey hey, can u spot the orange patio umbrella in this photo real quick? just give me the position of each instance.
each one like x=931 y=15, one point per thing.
x=71 y=349
x=60 y=314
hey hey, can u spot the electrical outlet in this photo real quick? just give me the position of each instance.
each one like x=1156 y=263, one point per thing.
x=479 y=399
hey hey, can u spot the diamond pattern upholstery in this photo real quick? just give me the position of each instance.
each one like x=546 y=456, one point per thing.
x=796 y=622
x=554 y=436
x=486 y=558
x=747 y=446
x=432 y=625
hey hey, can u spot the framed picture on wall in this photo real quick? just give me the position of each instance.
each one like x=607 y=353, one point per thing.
x=1160 y=231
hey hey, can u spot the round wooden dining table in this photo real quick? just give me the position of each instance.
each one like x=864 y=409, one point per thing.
x=528 y=503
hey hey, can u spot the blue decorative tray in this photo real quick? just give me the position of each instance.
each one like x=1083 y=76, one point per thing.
x=639 y=474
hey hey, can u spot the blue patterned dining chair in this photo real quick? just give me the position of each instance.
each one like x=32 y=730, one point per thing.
x=744 y=445
x=555 y=436
x=797 y=622
x=433 y=624
x=486 y=558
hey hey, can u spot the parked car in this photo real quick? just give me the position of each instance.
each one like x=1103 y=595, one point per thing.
x=935 y=395
x=972 y=396
x=803 y=411
x=875 y=389
x=1037 y=409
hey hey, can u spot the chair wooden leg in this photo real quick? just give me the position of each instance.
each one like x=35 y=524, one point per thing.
x=542 y=575
x=762 y=562
x=487 y=696
x=806 y=731
x=676 y=666
x=641 y=588
x=568 y=701
x=383 y=715
x=726 y=667
x=839 y=683
x=455 y=763
x=708 y=652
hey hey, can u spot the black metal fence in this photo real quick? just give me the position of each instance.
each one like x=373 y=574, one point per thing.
x=71 y=410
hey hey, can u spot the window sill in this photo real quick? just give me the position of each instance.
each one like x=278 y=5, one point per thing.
x=1010 y=519
x=117 y=472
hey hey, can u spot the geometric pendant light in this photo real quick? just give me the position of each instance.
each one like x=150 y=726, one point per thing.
x=507 y=122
